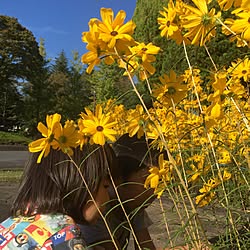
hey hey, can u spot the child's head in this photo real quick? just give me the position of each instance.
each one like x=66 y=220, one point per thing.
x=134 y=158
x=134 y=154
x=56 y=185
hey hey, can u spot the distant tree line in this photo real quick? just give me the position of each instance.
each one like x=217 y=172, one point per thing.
x=32 y=86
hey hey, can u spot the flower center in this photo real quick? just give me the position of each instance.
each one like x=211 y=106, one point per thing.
x=144 y=49
x=141 y=122
x=99 y=128
x=114 y=33
x=62 y=139
x=244 y=71
x=51 y=138
x=168 y=23
x=171 y=90
x=206 y=19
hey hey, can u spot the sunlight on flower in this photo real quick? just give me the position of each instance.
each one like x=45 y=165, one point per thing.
x=106 y=37
x=98 y=126
x=240 y=69
x=67 y=137
x=44 y=144
x=140 y=59
x=169 y=25
x=241 y=25
x=160 y=174
x=136 y=122
x=200 y=22
x=113 y=29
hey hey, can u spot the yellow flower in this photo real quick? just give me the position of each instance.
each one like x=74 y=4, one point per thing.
x=44 y=144
x=67 y=136
x=172 y=90
x=104 y=35
x=206 y=192
x=240 y=69
x=141 y=57
x=226 y=175
x=204 y=199
x=217 y=98
x=227 y=4
x=136 y=122
x=82 y=137
x=145 y=51
x=95 y=46
x=237 y=89
x=228 y=31
x=111 y=30
x=168 y=25
x=160 y=174
x=98 y=126
x=197 y=169
x=224 y=156
x=242 y=26
x=199 y=22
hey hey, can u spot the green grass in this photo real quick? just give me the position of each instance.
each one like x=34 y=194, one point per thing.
x=13 y=138
x=10 y=175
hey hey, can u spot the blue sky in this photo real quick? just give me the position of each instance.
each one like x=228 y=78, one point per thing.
x=61 y=23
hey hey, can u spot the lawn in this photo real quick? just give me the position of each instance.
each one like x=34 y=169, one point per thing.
x=10 y=175
x=13 y=138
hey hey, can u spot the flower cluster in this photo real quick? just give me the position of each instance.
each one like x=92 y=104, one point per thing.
x=110 y=39
x=91 y=128
x=197 y=24
x=184 y=115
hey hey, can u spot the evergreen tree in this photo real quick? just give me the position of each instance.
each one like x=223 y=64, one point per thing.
x=69 y=85
x=59 y=81
x=79 y=90
x=37 y=95
x=61 y=63
x=20 y=62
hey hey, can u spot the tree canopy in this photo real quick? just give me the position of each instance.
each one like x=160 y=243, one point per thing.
x=20 y=62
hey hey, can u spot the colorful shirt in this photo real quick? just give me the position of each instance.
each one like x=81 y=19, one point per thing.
x=45 y=232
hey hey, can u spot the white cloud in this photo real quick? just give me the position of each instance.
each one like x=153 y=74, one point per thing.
x=48 y=29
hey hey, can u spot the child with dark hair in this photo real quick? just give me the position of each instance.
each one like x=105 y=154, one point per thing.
x=134 y=158
x=57 y=194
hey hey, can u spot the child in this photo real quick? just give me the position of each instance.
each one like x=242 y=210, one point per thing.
x=53 y=197
x=134 y=159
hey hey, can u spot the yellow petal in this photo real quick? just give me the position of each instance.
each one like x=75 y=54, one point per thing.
x=216 y=110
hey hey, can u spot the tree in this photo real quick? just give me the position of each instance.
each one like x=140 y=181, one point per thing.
x=108 y=82
x=19 y=62
x=58 y=81
x=79 y=89
x=37 y=95
x=61 y=63
x=70 y=88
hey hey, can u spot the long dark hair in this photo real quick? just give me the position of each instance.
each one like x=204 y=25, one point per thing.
x=134 y=154
x=56 y=185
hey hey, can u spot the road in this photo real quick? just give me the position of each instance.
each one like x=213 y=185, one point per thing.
x=13 y=159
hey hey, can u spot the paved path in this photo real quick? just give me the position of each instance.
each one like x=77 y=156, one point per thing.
x=13 y=159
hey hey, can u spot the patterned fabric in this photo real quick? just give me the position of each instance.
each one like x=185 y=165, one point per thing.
x=46 y=232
